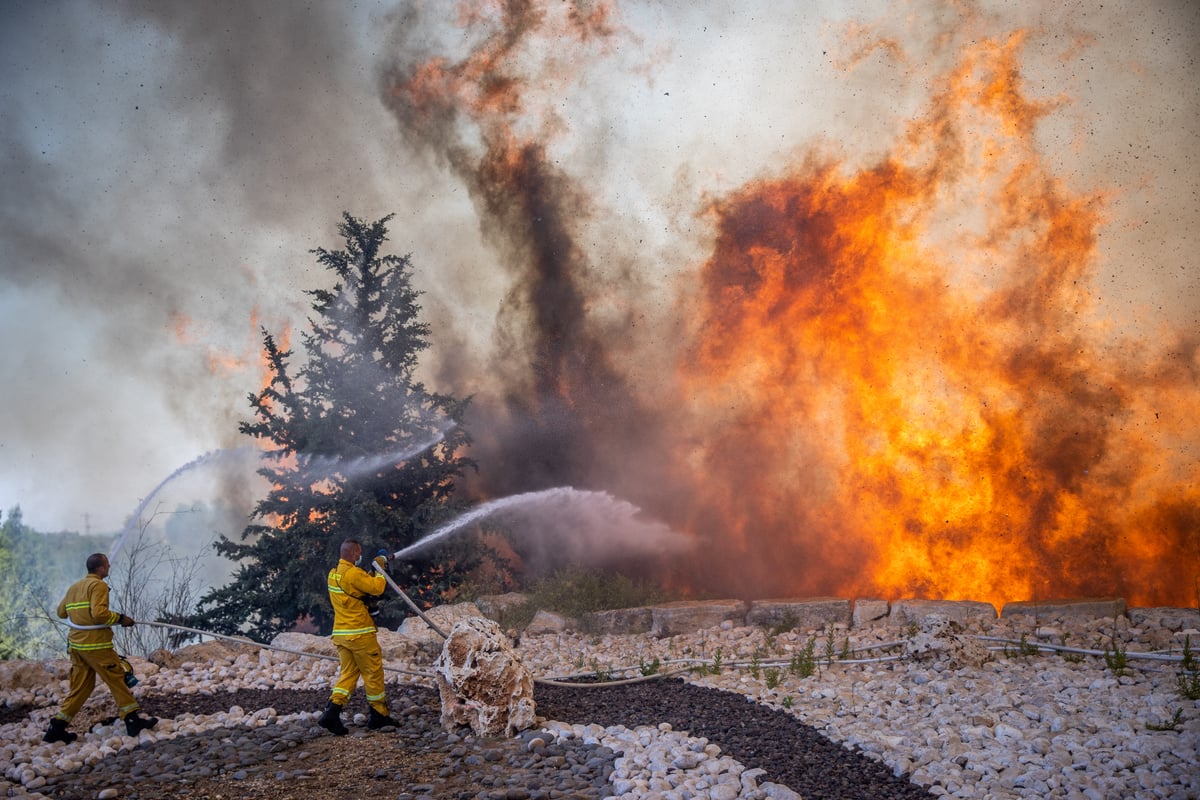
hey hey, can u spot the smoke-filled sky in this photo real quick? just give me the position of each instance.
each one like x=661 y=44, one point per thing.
x=566 y=177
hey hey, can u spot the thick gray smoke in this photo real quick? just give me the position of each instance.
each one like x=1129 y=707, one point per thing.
x=167 y=168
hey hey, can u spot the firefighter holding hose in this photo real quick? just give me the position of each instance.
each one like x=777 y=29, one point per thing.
x=351 y=589
x=90 y=645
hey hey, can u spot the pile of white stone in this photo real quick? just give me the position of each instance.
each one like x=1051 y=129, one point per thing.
x=663 y=763
x=914 y=685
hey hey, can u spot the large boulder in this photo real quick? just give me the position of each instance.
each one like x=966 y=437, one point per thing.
x=396 y=646
x=26 y=675
x=806 y=614
x=295 y=642
x=211 y=652
x=868 y=610
x=689 y=616
x=1040 y=611
x=495 y=606
x=620 y=620
x=908 y=612
x=482 y=682
x=547 y=622
x=428 y=641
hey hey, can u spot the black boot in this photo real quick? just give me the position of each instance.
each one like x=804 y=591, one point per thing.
x=378 y=721
x=134 y=724
x=57 y=732
x=331 y=720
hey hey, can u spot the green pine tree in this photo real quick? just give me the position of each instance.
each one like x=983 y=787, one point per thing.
x=343 y=438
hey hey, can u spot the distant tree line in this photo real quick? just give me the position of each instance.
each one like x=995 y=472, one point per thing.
x=35 y=570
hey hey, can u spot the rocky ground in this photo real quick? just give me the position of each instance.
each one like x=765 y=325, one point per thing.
x=917 y=719
x=285 y=759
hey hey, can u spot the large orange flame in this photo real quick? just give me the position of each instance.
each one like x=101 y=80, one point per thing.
x=907 y=385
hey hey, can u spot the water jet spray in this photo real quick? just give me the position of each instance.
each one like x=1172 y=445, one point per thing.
x=325 y=466
x=621 y=524
x=212 y=455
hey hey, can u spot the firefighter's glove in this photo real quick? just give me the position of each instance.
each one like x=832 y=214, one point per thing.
x=381 y=558
x=126 y=622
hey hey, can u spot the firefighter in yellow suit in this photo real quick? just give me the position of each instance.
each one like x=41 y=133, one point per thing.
x=354 y=635
x=92 y=654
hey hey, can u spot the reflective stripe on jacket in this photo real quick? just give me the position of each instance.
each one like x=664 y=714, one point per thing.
x=86 y=603
x=347 y=586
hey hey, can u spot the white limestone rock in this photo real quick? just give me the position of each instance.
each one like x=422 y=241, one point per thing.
x=305 y=643
x=801 y=614
x=868 y=610
x=495 y=606
x=482 y=682
x=908 y=611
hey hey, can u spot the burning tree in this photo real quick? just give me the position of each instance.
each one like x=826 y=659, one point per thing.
x=355 y=447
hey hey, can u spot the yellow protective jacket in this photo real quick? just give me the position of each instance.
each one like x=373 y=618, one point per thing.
x=348 y=584
x=86 y=603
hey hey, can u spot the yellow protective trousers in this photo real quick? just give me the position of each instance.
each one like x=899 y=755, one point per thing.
x=360 y=656
x=85 y=666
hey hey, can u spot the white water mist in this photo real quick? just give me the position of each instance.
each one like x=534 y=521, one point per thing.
x=568 y=524
x=135 y=517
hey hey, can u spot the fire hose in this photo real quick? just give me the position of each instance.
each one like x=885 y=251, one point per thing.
x=687 y=665
x=244 y=640
x=325 y=657
x=408 y=601
x=433 y=626
x=691 y=663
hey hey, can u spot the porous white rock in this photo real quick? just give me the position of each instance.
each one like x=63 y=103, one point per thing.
x=482 y=682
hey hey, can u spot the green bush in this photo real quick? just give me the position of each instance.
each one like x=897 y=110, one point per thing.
x=576 y=591
x=804 y=663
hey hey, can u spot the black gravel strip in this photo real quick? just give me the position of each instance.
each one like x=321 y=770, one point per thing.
x=791 y=752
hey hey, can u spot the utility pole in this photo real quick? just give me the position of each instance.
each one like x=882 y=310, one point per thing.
x=87 y=524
